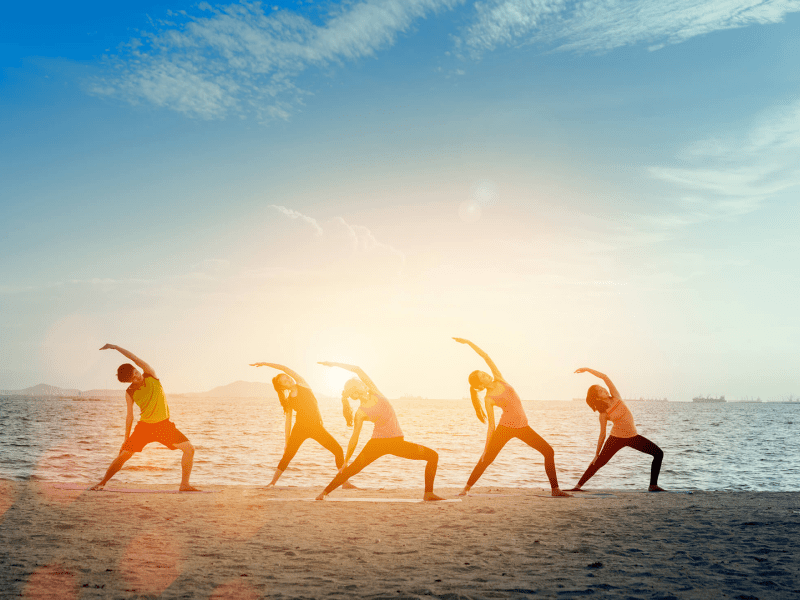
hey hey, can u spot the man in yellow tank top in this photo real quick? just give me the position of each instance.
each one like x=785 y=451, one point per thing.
x=154 y=425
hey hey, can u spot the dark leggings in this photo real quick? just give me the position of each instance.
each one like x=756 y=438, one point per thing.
x=499 y=439
x=397 y=446
x=303 y=431
x=615 y=444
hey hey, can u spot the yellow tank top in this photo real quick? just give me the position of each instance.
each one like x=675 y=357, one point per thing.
x=149 y=396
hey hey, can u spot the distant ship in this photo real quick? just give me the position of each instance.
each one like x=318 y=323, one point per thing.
x=708 y=399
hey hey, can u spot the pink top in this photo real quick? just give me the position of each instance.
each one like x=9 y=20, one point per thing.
x=513 y=415
x=619 y=414
x=382 y=414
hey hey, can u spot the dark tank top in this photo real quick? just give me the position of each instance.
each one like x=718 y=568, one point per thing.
x=305 y=405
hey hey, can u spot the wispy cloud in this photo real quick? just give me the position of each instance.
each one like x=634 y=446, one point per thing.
x=735 y=175
x=293 y=214
x=590 y=26
x=344 y=243
x=245 y=58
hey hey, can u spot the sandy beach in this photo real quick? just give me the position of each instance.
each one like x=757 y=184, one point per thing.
x=242 y=542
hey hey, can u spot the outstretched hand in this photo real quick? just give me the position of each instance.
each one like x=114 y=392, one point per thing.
x=461 y=340
x=109 y=347
x=326 y=363
x=581 y=370
x=261 y=364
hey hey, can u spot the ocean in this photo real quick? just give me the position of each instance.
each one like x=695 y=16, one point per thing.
x=239 y=441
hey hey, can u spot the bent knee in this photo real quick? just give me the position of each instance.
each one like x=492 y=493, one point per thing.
x=548 y=452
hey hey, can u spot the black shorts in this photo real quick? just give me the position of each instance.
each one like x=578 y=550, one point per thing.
x=163 y=432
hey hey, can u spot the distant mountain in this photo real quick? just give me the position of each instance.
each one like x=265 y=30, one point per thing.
x=41 y=390
x=238 y=389
x=103 y=393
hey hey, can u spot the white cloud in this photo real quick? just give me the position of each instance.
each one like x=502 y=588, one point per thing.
x=592 y=26
x=244 y=59
x=735 y=175
x=293 y=214
x=348 y=244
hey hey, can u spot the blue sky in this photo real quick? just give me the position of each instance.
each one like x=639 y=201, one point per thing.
x=611 y=185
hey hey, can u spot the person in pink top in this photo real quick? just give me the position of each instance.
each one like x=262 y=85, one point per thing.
x=513 y=422
x=608 y=403
x=387 y=437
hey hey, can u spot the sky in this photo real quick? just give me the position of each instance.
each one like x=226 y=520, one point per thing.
x=568 y=184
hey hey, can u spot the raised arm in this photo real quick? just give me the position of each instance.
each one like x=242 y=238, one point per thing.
x=495 y=371
x=611 y=387
x=358 y=371
x=131 y=356
x=293 y=374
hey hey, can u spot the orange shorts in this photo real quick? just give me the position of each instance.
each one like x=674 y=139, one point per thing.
x=163 y=432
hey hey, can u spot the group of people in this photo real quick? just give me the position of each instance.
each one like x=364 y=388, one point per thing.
x=295 y=396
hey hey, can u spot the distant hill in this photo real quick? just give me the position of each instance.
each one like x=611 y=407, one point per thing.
x=238 y=389
x=103 y=393
x=41 y=390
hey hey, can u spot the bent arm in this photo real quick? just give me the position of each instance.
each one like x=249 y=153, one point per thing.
x=495 y=371
x=293 y=374
x=611 y=387
x=131 y=356
x=358 y=371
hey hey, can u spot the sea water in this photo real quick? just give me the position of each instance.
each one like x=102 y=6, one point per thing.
x=239 y=441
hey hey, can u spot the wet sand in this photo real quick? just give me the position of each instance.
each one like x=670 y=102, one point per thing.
x=251 y=543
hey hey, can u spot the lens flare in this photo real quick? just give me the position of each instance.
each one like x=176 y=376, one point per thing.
x=469 y=211
x=51 y=582
x=152 y=561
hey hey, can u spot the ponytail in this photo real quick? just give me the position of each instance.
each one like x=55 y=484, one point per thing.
x=475 y=385
x=593 y=400
x=476 y=404
x=346 y=410
x=279 y=388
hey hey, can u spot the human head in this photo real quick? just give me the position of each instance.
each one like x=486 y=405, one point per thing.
x=126 y=373
x=478 y=380
x=356 y=389
x=282 y=382
x=596 y=398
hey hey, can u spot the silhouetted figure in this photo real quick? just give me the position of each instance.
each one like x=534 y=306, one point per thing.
x=387 y=437
x=295 y=394
x=513 y=422
x=154 y=424
x=609 y=405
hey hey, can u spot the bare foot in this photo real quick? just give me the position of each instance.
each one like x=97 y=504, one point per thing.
x=188 y=488
x=431 y=497
x=349 y=486
x=560 y=494
x=464 y=492
x=322 y=496
x=97 y=488
x=575 y=489
x=655 y=488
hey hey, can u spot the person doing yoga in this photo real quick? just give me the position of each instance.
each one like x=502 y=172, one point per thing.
x=608 y=403
x=387 y=437
x=513 y=422
x=295 y=394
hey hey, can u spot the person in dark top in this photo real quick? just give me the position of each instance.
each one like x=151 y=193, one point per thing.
x=295 y=395
x=154 y=425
